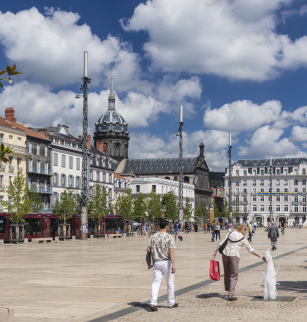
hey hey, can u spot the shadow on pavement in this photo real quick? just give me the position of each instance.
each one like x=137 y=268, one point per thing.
x=211 y=295
x=141 y=305
x=297 y=286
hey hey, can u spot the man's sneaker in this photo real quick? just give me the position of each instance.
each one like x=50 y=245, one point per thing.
x=153 y=308
x=232 y=298
x=174 y=306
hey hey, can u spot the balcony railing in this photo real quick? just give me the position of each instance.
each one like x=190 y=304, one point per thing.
x=244 y=203
x=244 y=193
x=295 y=203
x=254 y=193
x=17 y=148
x=303 y=203
x=44 y=190
x=236 y=193
x=2 y=167
x=40 y=170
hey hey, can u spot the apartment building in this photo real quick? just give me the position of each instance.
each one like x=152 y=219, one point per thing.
x=251 y=187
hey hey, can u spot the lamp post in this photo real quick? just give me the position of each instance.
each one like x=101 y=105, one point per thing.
x=271 y=209
x=141 y=219
x=180 y=208
x=230 y=179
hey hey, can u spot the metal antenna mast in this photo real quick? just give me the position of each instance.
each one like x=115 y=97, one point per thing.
x=230 y=178
x=271 y=209
x=180 y=216
x=84 y=193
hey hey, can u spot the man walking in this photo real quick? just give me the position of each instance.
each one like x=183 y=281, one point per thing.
x=162 y=247
x=250 y=231
x=273 y=234
x=177 y=227
x=144 y=228
x=213 y=230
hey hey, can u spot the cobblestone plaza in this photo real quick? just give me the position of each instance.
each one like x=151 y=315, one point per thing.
x=107 y=279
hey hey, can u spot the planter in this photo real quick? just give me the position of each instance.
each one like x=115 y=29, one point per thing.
x=64 y=231
x=17 y=233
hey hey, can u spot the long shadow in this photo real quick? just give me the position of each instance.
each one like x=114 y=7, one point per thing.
x=144 y=306
x=294 y=286
x=211 y=295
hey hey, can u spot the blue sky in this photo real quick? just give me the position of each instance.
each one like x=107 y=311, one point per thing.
x=236 y=66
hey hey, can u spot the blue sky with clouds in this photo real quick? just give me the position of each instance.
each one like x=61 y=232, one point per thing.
x=236 y=66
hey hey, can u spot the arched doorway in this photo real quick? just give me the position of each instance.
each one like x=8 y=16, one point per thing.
x=259 y=221
x=282 y=219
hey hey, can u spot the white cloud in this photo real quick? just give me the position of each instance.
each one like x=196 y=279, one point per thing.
x=234 y=39
x=298 y=133
x=50 y=48
x=242 y=116
x=267 y=141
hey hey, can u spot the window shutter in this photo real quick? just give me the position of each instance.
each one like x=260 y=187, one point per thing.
x=250 y=170
x=258 y=170
x=265 y=170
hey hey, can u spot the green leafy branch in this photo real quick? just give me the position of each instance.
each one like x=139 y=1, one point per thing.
x=11 y=71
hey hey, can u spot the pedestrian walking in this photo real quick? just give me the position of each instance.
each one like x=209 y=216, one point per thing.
x=144 y=230
x=255 y=225
x=149 y=230
x=208 y=228
x=283 y=227
x=231 y=258
x=250 y=231
x=273 y=234
x=162 y=248
x=213 y=230
x=217 y=230
x=205 y=227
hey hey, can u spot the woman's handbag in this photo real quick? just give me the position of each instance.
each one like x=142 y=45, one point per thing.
x=214 y=272
x=222 y=247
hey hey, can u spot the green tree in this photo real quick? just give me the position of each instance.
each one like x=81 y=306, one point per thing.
x=66 y=206
x=170 y=205
x=225 y=210
x=3 y=151
x=188 y=210
x=98 y=205
x=33 y=200
x=141 y=199
x=154 y=205
x=124 y=205
x=201 y=211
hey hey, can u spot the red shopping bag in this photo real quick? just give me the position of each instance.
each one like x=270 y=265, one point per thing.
x=214 y=270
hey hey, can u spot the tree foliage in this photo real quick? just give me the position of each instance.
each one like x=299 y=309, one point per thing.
x=67 y=206
x=10 y=71
x=3 y=151
x=225 y=210
x=201 y=211
x=33 y=201
x=98 y=204
x=188 y=210
x=124 y=205
x=170 y=205
x=154 y=205
x=141 y=199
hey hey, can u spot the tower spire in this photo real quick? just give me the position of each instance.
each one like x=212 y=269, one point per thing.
x=111 y=105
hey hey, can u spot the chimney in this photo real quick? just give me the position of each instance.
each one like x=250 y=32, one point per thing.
x=88 y=141
x=43 y=132
x=24 y=123
x=10 y=116
x=100 y=146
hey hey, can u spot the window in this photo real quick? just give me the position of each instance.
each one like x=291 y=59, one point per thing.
x=63 y=160
x=110 y=193
x=296 y=209
x=261 y=182
x=63 y=180
x=71 y=162
x=98 y=176
x=237 y=182
x=38 y=163
x=30 y=147
x=285 y=182
x=46 y=151
x=110 y=178
x=254 y=207
x=38 y=147
x=138 y=188
x=254 y=198
x=70 y=181
x=254 y=182
x=278 y=171
x=304 y=182
x=304 y=208
x=285 y=207
x=295 y=189
x=277 y=182
x=29 y=183
x=78 y=183
x=237 y=172
x=262 y=173
x=244 y=209
x=244 y=183
x=285 y=171
x=295 y=171
x=277 y=207
x=78 y=163
x=116 y=150
x=37 y=183
x=55 y=179
x=55 y=157
x=285 y=189
x=295 y=182
x=269 y=208
x=304 y=189
x=262 y=198
x=254 y=172
x=153 y=187
x=91 y=175
x=262 y=208
x=277 y=198
x=245 y=172
x=285 y=198
x=296 y=199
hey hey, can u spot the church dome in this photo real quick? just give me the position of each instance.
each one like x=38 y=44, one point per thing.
x=111 y=120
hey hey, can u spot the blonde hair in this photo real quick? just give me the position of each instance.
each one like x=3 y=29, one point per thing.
x=242 y=229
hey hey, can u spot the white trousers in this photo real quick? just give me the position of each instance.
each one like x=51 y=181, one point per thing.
x=161 y=268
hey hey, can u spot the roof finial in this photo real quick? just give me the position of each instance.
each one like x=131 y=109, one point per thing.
x=111 y=90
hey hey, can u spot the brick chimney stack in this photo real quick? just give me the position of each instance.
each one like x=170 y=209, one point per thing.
x=100 y=146
x=10 y=116
x=88 y=141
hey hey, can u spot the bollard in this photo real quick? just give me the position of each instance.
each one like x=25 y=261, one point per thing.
x=106 y=236
x=56 y=239
x=135 y=234
x=91 y=236
x=1 y=241
x=25 y=240
x=73 y=237
x=124 y=235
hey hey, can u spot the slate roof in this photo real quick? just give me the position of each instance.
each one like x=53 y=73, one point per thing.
x=282 y=162
x=160 y=166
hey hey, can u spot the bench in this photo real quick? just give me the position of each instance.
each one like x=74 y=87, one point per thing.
x=42 y=240
x=117 y=235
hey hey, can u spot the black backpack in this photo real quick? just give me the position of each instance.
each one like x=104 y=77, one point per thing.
x=222 y=247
